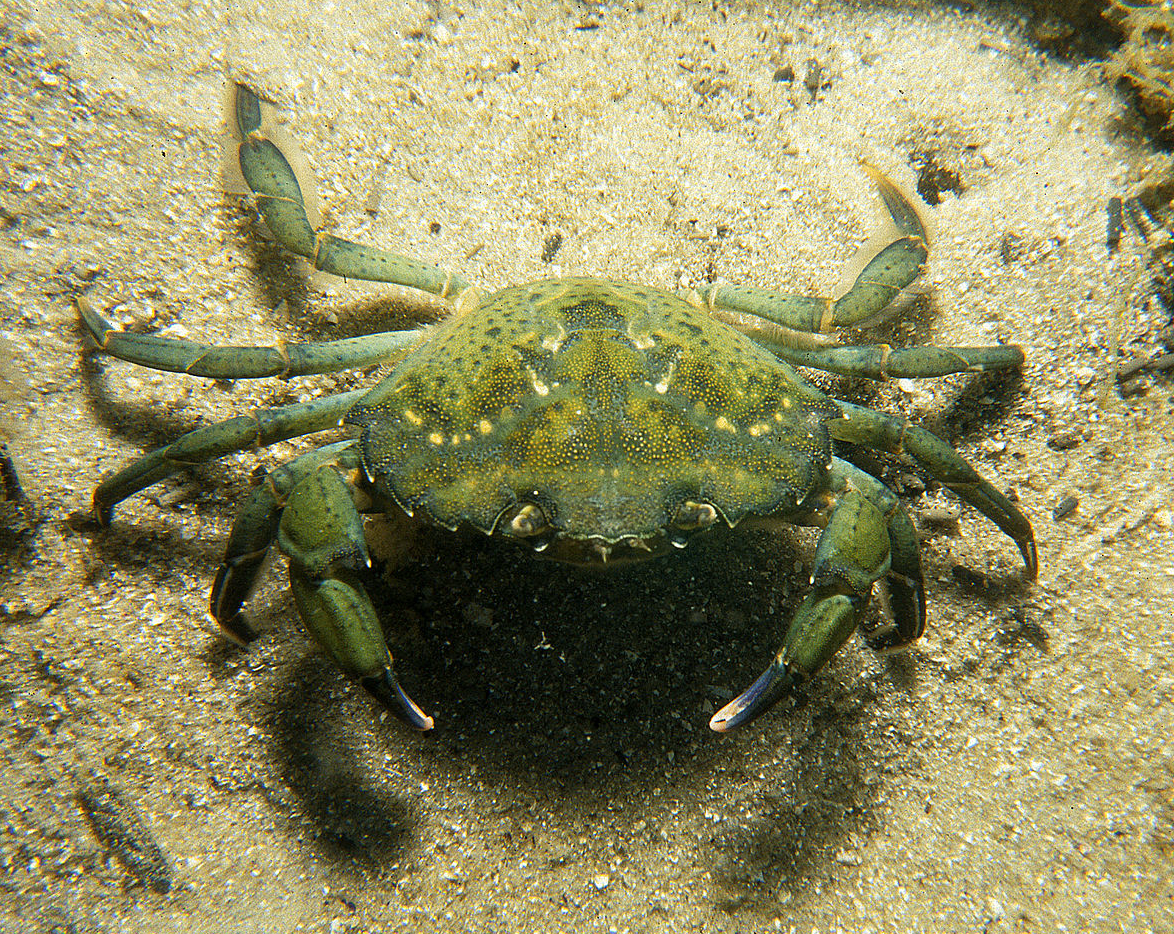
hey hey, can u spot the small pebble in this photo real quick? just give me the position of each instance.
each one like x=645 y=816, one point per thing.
x=911 y=483
x=939 y=516
x=551 y=246
x=1011 y=247
x=812 y=75
x=1064 y=440
x=1065 y=507
x=995 y=909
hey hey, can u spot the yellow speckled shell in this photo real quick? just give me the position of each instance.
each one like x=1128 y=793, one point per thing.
x=609 y=404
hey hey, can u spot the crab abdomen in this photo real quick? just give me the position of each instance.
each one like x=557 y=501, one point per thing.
x=608 y=404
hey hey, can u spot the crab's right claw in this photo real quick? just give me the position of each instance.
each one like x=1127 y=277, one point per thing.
x=339 y=614
x=322 y=533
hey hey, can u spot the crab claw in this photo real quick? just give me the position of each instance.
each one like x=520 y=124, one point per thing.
x=339 y=614
x=322 y=533
x=853 y=553
x=823 y=622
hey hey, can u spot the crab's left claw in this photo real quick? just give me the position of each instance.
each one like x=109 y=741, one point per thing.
x=868 y=537
x=322 y=533
x=822 y=625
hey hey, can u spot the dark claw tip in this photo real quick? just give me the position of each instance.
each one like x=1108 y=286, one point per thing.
x=1030 y=558
x=771 y=687
x=237 y=629
x=103 y=514
x=385 y=688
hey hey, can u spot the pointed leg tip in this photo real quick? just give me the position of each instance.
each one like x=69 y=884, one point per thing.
x=1031 y=559
x=413 y=715
x=102 y=513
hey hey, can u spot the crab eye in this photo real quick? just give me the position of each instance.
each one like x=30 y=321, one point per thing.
x=529 y=521
x=693 y=515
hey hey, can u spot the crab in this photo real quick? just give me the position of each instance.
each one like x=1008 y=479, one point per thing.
x=590 y=419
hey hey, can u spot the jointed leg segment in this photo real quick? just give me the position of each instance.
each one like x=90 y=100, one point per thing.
x=891 y=270
x=262 y=428
x=889 y=433
x=255 y=529
x=269 y=174
x=880 y=361
x=283 y=360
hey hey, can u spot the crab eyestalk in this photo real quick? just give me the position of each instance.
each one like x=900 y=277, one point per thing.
x=692 y=516
x=529 y=523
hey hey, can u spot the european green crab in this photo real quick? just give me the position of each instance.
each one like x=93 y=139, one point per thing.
x=588 y=418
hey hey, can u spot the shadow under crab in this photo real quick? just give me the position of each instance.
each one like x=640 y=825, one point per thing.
x=589 y=418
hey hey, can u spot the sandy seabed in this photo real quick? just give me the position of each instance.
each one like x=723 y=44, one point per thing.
x=1014 y=771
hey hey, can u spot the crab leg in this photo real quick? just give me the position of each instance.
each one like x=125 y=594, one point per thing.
x=263 y=427
x=284 y=360
x=868 y=537
x=268 y=171
x=889 y=433
x=321 y=532
x=880 y=361
x=891 y=270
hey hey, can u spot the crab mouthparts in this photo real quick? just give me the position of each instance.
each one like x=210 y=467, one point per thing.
x=604 y=549
x=598 y=551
